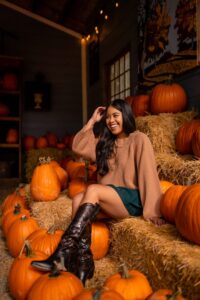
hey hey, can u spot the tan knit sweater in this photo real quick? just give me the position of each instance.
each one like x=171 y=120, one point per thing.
x=133 y=166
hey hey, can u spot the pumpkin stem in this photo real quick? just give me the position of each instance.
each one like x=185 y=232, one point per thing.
x=170 y=79
x=51 y=229
x=26 y=248
x=97 y=294
x=17 y=209
x=125 y=272
x=175 y=295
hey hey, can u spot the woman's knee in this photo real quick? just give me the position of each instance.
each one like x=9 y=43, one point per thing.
x=92 y=190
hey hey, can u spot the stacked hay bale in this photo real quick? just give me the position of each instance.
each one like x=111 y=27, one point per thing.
x=162 y=130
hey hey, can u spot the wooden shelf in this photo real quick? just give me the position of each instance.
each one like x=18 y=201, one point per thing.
x=9 y=145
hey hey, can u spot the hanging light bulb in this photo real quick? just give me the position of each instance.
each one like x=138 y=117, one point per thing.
x=116 y=4
x=106 y=17
x=101 y=11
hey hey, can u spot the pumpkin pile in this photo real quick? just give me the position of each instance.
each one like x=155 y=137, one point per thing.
x=50 y=139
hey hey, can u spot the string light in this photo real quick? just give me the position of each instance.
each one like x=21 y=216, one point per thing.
x=116 y=4
x=106 y=17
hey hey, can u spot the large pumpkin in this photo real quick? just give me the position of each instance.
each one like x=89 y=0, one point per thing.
x=100 y=240
x=168 y=98
x=22 y=275
x=55 y=286
x=165 y=185
x=45 y=184
x=187 y=214
x=184 y=136
x=169 y=202
x=61 y=173
x=130 y=284
x=76 y=186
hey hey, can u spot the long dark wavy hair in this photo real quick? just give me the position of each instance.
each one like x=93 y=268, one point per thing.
x=105 y=145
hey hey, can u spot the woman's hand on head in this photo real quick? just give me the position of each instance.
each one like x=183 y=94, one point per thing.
x=98 y=114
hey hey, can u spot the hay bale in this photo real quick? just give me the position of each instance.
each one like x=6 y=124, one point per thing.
x=179 y=169
x=160 y=253
x=33 y=155
x=53 y=213
x=162 y=129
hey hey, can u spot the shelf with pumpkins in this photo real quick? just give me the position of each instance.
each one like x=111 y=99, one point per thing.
x=10 y=116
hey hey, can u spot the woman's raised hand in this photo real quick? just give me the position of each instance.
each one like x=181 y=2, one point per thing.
x=98 y=114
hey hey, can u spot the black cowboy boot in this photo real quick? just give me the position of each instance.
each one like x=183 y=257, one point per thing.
x=85 y=262
x=67 y=249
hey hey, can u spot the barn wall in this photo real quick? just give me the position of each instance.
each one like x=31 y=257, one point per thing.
x=58 y=56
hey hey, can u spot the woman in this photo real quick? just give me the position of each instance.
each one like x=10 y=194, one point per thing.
x=128 y=184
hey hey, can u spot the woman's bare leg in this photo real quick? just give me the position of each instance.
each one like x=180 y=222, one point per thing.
x=106 y=197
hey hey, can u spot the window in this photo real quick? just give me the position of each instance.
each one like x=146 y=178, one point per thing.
x=119 y=77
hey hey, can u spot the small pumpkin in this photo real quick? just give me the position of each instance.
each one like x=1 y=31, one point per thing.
x=4 y=109
x=19 y=232
x=21 y=274
x=168 y=97
x=56 y=285
x=12 y=136
x=100 y=240
x=187 y=214
x=165 y=294
x=130 y=284
x=12 y=200
x=28 y=142
x=45 y=240
x=76 y=186
x=45 y=184
x=140 y=104
x=10 y=81
x=41 y=142
x=10 y=217
x=52 y=139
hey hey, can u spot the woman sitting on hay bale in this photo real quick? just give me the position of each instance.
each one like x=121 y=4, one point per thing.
x=128 y=185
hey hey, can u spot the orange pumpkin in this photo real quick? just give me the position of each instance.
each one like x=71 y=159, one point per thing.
x=100 y=240
x=184 y=136
x=22 y=275
x=165 y=185
x=130 y=284
x=45 y=184
x=55 y=286
x=139 y=104
x=187 y=214
x=19 y=232
x=45 y=240
x=196 y=142
x=28 y=142
x=12 y=200
x=168 y=98
x=10 y=81
x=10 y=217
x=12 y=136
x=4 y=109
x=76 y=186
x=61 y=173
x=169 y=202
x=165 y=294
x=52 y=139
x=41 y=142
x=98 y=294
x=60 y=146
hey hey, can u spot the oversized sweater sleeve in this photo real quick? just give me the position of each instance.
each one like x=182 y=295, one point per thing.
x=148 y=180
x=84 y=144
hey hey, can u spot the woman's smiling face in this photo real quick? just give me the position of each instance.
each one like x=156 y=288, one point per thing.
x=114 y=121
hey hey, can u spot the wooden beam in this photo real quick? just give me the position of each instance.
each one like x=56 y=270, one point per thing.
x=84 y=79
x=40 y=19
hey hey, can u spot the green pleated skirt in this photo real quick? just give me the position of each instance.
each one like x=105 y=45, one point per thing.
x=130 y=198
